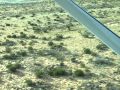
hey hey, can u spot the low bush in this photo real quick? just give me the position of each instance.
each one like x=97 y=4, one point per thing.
x=8 y=43
x=50 y=43
x=45 y=38
x=103 y=61
x=22 y=35
x=23 y=43
x=10 y=56
x=79 y=73
x=73 y=59
x=39 y=73
x=86 y=34
x=14 y=56
x=87 y=51
x=32 y=37
x=12 y=36
x=101 y=47
x=59 y=37
x=29 y=82
x=58 y=71
x=13 y=67
x=21 y=53
x=30 y=49
x=7 y=24
x=8 y=49
x=62 y=63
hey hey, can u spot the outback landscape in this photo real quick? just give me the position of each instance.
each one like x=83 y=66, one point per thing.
x=43 y=48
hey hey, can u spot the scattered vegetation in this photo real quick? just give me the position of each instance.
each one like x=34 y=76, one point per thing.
x=49 y=45
x=56 y=53
x=14 y=56
x=12 y=36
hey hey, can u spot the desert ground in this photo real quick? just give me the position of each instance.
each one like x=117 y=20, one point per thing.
x=43 y=48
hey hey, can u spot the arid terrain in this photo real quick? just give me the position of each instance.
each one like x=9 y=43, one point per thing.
x=43 y=48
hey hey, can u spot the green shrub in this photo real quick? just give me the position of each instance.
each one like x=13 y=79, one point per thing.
x=69 y=25
x=87 y=51
x=86 y=34
x=10 y=56
x=102 y=47
x=103 y=61
x=82 y=65
x=79 y=73
x=50 y=43
x=23 y=35
x=21 y=53
x=58 y=71
x=44 y=38
x=30 y=48
x=29 y=82
x=7 y=24
x=32 y=37
x=12 y=36
x=13 y=67
x=39 y=73
x=14 y=56
x=22 y=43
x=73 y=59
x=62 y=63
x=61 y=43
x=58 y=47
x=59 y=37
x=8 y=49
x=9 y=36
x=8 y=43
x=57 y=54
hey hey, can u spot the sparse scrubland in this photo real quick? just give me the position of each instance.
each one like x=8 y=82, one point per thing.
x=43 y=48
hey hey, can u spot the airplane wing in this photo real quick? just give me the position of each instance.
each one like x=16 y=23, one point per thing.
x=94 y=26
